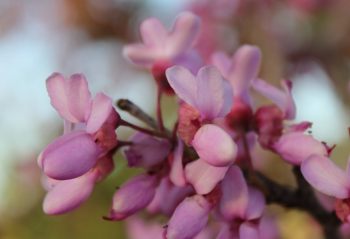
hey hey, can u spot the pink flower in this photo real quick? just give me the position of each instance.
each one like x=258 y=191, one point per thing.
x=211 y=95
x=160 y=45
x=89 y=125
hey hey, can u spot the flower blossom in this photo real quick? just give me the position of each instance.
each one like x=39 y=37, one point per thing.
x=162 y=49
x=209 y=96
x=89 y=125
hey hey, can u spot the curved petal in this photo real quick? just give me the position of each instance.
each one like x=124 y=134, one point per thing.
x=69 y=156
x=146 y=151
x=283 y=99
x=140 y=54
x=100 y=110
x=67 y=195
x=139 y=229
x=153 y=32
x=248 y=231
x=183 y=83
x=71 y=98
x=183 y=35
x=214 y=145
x=295 y=147
x=325 y=176
x=177 y=174
x=222 y=61
x=203 y=176
x=133 y=196
x=189 y=218
x=244 y=68
x=214 y=94
x=256 y=204
x=79 y=97
x=235 y=197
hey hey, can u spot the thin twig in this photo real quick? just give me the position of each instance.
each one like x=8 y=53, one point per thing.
x=137 y=112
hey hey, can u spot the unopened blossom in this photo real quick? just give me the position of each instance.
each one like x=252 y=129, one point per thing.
x=66 y=195
x=189 y=218
x=89 y=124
x=146 y=151
x=132 y=197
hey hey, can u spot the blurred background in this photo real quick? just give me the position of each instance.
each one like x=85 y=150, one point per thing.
x=306 y=41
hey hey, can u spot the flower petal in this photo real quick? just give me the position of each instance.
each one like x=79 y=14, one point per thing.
x=325 y=176
x=248 y=231
x=153 y=32
x=283 y=99
x=138 y=229
x=214 y=145
x=140 y=54
x=146 y=151
x=177 y=174
x=295 y=147
x=183 y=35
x=256 y=204
x=183 y=83
x=100 y=110
x=133 y=196
x=222 y=61
x=214 y=94
x=79 y=97
x=67 y=195
x=167 y=197
x=69 y=156
x=244 y=68
x=203 y=176
x=235 y=197
x=189 y=218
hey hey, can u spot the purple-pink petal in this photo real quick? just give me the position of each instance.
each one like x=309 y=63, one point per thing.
x=79 y=97
x=101 y=108
x=244 y=68
x=138 y=229
x=214 y=145
x=183 y=83
x=153 y=33
x=146 y=151
x=325 y=176
x=140 y=54
x=183 y=35
x=177 y=174
x=295 y=147
x=222 y=61
x=189 y=218
x=283 y=99
x=133 y=196
x=203 y=176
x=235 y=197
x=69 y=156
x=214 y=94
x=71 y=98
x=256 y=204
x=248 y=231
x=67 y=195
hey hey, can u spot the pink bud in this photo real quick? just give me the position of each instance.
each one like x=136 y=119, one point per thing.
x=133 y=196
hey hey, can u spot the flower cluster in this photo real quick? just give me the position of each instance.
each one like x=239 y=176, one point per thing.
x=202 y=174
